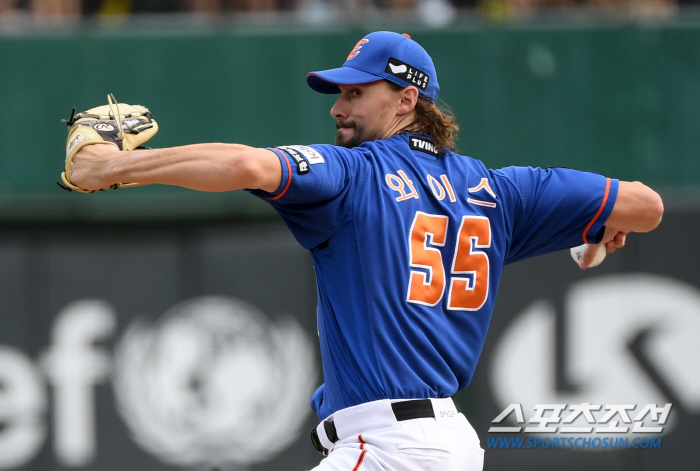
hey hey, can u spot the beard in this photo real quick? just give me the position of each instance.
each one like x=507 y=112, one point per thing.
x=358 y=137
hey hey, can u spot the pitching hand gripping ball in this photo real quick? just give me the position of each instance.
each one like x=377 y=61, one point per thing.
x=577 y=254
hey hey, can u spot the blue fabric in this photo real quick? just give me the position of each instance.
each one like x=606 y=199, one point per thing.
x=374 y=219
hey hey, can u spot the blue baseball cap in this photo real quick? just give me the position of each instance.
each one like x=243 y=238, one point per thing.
x=382 y=55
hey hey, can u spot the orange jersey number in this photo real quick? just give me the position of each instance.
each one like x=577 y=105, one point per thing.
x=428 y=235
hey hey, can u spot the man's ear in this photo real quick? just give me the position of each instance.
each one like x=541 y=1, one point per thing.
x=409 y=98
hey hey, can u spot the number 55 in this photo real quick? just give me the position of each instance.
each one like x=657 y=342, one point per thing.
x=428 y=234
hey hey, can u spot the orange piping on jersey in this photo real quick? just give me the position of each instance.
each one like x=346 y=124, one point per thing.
x=600 y=210
x=289 y=178
x=362 y=455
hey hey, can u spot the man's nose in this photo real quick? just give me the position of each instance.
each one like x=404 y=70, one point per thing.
x=338 y=111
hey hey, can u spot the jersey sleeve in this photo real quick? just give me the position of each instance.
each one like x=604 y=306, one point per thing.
x=553 y=209
x=314 y=195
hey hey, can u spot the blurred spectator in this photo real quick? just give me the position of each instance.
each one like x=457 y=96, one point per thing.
x=196 y=6
x=7 y=6
x=396 y=4
x=50 y=9
x=54 y=10
x=505 y=9
x=43 y=9
x=123 y=7
x=65 y=8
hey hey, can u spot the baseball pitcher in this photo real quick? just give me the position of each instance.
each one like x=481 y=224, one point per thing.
x=408 y=238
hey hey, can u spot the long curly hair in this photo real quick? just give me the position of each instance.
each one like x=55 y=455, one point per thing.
x=435 y=121
x=438 y=122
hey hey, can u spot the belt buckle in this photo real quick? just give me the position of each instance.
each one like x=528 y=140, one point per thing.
x=317 y=443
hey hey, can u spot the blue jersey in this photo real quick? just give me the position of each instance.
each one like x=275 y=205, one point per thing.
x=408 y=248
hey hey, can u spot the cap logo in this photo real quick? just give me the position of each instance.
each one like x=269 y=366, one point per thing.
x=356 y=50
x=398 y=69
x=407 y=73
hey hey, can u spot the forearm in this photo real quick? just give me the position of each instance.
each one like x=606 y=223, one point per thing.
x=203 y=167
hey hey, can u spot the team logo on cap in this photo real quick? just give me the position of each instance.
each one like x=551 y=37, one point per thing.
x=356 y=50
x=407 y=73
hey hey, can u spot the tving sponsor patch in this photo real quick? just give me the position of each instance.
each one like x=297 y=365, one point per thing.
x=423 y=145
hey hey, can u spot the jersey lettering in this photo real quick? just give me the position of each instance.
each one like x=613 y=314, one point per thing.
x=467 y=293
x=483 y=185
x=438 y=189
x=448 y=186
x=399 y=183
x=441 y=191
x=488 y=204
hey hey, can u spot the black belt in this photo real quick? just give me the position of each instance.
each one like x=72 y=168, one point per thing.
x=403 y=410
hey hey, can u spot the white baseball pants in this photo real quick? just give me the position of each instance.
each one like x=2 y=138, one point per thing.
x=371 y=439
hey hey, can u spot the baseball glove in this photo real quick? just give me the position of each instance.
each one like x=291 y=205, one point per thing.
x=124 y=126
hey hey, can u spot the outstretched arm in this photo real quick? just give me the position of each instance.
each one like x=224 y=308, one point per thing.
x=203 y=167
x=637 y=208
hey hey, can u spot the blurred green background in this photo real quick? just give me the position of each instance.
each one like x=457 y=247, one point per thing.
x=620 y=98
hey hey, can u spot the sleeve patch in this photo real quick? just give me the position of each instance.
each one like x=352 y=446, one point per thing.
x=302 y=164
x=311 y=155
